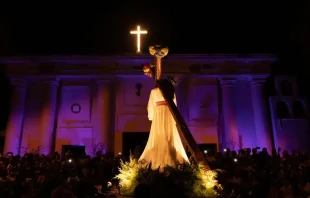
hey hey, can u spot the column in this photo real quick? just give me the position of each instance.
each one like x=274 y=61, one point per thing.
x=15 y=122
x=49 y=116
x=260 y=113
x=104 y=133
x=229 y=114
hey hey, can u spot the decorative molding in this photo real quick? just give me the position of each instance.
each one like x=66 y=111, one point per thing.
x=51 y=83
x=227 y=82
x=74 y=92
x=256 y=82
x=259 y=79
x=76 y=108
x=18 y=82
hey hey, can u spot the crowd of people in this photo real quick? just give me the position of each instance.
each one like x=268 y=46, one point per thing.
x=256 y=173
x=246 y=173
x=34 y=175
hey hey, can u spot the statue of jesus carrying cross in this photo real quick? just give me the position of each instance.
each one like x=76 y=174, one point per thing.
x=164 y=146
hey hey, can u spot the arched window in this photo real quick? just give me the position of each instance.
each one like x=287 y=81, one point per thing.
x=299 y=109
x=282 y=110
x=286 y=88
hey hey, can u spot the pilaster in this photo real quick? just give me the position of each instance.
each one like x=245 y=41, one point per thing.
x=15 y=122
x=49 y=115
x=229 y=113
x=103 y=130
x=260 y=112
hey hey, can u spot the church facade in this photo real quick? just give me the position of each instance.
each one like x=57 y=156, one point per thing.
x=89 y=101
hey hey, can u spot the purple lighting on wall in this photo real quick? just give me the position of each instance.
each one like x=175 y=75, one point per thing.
x=80 y=128
x=90 y=110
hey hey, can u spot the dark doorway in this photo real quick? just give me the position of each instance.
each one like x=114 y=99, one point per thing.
x=2 y=144
x=209 y=149
x=134 y=141
x=76 y=151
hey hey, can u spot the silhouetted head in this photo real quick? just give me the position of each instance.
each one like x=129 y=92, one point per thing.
x=265 y=151
x=172 y=80
x=168 y=86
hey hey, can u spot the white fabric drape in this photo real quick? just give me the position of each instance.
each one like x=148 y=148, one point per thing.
x=164 y=146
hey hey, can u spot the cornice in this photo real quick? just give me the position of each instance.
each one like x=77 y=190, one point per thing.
x=134 y=58
x=131 y=64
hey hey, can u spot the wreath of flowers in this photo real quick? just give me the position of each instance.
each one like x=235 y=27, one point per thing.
x=147 y=69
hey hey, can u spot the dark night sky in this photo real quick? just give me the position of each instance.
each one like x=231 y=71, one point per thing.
x=188 y=27
x=104 y=28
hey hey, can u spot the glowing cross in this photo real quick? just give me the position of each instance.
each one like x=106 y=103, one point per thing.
x=138 y=32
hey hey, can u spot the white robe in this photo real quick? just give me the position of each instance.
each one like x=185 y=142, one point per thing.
x=164 y=146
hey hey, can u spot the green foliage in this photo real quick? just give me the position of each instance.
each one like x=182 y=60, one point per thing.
x=128 y=175
x=183 y=181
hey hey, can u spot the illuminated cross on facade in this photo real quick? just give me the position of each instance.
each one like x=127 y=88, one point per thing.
x=138 y=32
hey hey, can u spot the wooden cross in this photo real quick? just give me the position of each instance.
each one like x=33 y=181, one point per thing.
x=138 y=32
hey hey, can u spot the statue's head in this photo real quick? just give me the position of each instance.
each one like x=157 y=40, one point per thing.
x=173 y=80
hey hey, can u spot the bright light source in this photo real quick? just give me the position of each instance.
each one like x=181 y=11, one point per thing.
x=138 y=32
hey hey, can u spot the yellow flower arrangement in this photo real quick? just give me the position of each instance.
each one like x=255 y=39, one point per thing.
x=157 y=50
x=164 y=51
x=152 y=50
x=193 y=179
